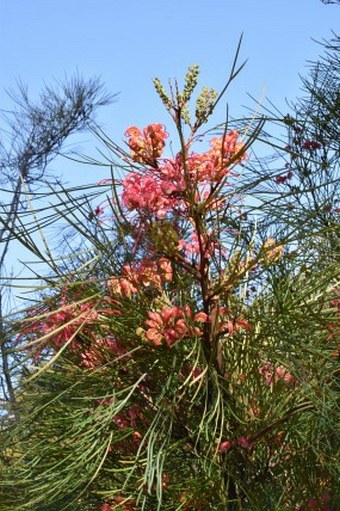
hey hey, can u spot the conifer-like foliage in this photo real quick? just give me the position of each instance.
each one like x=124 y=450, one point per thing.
x=185 y=358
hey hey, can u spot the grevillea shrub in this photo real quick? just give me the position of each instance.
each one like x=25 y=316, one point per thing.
x=189 y=361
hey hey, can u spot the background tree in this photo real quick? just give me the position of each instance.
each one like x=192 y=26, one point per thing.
x=32 y=135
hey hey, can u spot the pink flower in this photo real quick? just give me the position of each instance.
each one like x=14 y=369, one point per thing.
x=279 y=374
x=283 y=178
x=171 y=174
x=325 y=498
x=166 y=269
x=147 y=145
x=201 y=317
x=164 y=186
x=312 y=503
x=311 y=145
x=205 y=243
x=243 y=442
x=225 y=446
x=61 y=326
x=98 y=211
x=223 y=154
x=145 y=194
x=122 y=286
x=101 y=351
x=172 y=324
x=230 y=324
x=126 y=504
x=152 y=273
x=148 y=273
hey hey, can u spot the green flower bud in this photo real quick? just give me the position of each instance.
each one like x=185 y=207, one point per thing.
x=161 y=93
x=164 y=237
x=190 y=81
x=205 y=103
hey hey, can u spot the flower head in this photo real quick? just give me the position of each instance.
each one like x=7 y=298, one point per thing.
x=172 y=324
x=225 y=446
x=146 y=145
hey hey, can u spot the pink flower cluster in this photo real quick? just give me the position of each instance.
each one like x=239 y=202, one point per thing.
x=276 y=375
x=101 y=351
x=77 y=315
x=241 y=441
x=147 y=194
x=224 y=151
x=320 y=504
x=311 y=145
x=146 y=145
x=148 y=273
x=172 y=324
x=163 y=186
x=61 y=326
x=206 y=242
x=229 y=324
x=213 y=165
x=130 y=418
x=284 y=177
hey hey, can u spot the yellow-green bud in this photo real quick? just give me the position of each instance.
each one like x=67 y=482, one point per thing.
x=190 y=81
x=205 y=103
x=165 y=237
x=161 y=93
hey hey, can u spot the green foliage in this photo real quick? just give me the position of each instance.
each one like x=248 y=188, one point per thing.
x=158 y=380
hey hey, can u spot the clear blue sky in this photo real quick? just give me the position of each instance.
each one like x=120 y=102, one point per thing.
x=128 y=43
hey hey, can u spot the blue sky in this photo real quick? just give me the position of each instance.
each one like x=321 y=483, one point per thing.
x=128 y=43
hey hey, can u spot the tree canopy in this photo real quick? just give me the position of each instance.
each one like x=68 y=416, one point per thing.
x=185 y=356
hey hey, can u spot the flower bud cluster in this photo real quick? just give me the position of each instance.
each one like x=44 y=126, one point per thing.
x=204 y=104
x=164 y=237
